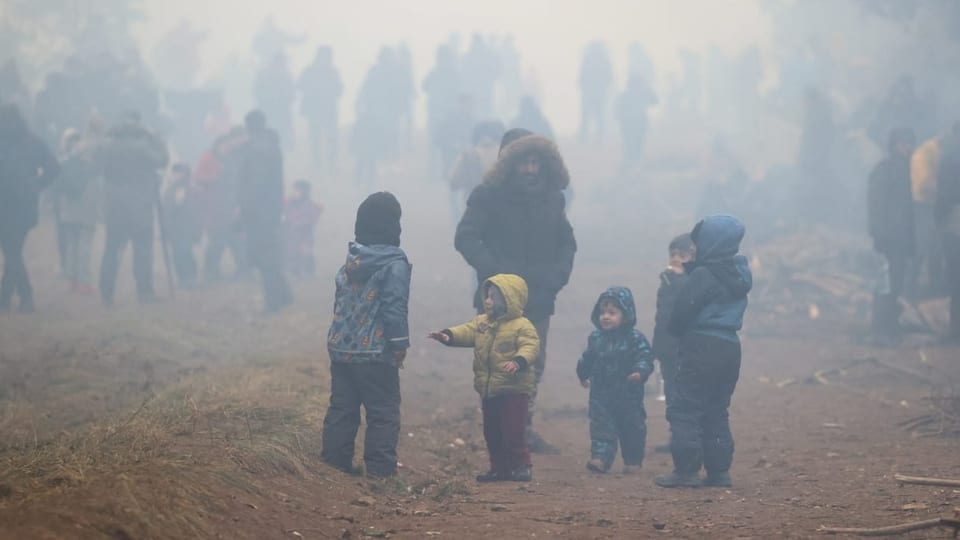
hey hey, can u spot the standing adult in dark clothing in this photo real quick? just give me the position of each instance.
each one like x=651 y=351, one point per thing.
x=633 y=108
x=216 y=181
x=596 y=76
x=890 y=211
x=274 y=91
x=260 y=190
x=182 y=228
x=516 y=223
x=320 y=91
x=947 y=213
x=27 y=167
x=130 y=157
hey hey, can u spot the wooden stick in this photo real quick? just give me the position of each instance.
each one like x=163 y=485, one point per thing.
x=894 y=529
x=927 y=481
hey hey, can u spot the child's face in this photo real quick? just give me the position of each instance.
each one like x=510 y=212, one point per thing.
x=678 y=258
x=611 y=316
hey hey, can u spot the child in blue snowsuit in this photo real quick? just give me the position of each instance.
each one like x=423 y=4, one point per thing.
x=615 y=366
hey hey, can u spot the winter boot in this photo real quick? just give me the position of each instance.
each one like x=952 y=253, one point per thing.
x=631 y=469
x=523 y=474
x=597 y=465
x=490 y=476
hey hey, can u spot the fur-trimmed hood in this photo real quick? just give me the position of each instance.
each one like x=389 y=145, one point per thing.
x=552 y=166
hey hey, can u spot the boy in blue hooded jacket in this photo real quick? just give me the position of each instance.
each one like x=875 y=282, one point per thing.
x=368 y=341
x=707 y=315
x=615 y=366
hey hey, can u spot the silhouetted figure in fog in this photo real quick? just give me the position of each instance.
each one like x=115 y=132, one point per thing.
x=406 y=93
x=633 y=108
x=947 y=212
x=182 y=223
x=368 y=342
x=929 y=263
x=453 y=135
x=12 y=89
x=890 y=211
x=376 y=131
x=473 y=163
x=58 y=106
x=320 y=91
x=530 y=117
x=516 y=223
x=481 y=70
x=27 y=167
x=131 y=157
x=300 y=217
x=442 y=88
x=176 y=56
x=260 y=191
x=216 y=178
x=596 y=76
x=707 y=317
x=511 y=80
x=274 y=92
x=189 y=110
x=815 y=161
x=79 y=194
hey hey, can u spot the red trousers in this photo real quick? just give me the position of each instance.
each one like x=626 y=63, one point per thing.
x=504 y=428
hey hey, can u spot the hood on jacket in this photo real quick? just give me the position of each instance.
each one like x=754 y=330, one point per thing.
x=365 y=261
x=623 y=298
x=514 y=290
x=718 y=241
x=717 y=238
x=551 y=163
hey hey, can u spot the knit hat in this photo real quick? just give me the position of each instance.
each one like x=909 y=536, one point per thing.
x=378 y=220
x=512 y=135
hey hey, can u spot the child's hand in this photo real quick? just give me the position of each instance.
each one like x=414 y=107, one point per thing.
x=635 y=377
x=585 y=383
x=399 y=357
x=439 y=336
x=677 y=269
x=510 y=367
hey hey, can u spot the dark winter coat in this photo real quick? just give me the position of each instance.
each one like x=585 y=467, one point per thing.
x=370 y=313
x=890 y=207
x=131 y=157
x=714 y=299
x=665 y=345
x=26 y=168
x=613 y=355
x=260 y=180
x=506 y=230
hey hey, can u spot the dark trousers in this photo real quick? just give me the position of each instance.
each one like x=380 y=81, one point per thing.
x=621 y=417
x=118 y=236
x=504 y=427
x=265 y=250
x=707 y=374
x=15 y=277
x=951 y=248
x=886 y=306
x=375 y=386
x=184 y=262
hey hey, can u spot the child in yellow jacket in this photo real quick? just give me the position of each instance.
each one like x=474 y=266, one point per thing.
x=505 y=345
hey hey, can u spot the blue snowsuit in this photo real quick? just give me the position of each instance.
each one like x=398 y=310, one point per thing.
x=616 y=404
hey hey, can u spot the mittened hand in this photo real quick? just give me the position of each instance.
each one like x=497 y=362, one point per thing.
x=635 y=378
x=439 y=336
x=510 y=367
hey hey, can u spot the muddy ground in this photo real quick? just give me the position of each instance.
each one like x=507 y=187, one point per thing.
x=199 y=418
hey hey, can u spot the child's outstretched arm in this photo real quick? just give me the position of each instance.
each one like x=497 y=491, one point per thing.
x=643 y=359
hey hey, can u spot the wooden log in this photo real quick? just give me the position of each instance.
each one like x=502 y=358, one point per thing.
x=894 y=529
x=927 y=481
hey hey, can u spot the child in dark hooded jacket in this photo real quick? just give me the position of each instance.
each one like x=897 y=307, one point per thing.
x=706 y=317
x=615 y=366
x=368 y=341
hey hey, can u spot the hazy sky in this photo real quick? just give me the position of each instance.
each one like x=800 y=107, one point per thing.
x=548 y=34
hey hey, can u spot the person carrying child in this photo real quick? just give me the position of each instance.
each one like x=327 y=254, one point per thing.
x=368 y=341
x=615 y=366
x=505 y=346
x=707 y=315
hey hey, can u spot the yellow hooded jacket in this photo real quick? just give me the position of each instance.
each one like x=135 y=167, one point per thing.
x=502 y=340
